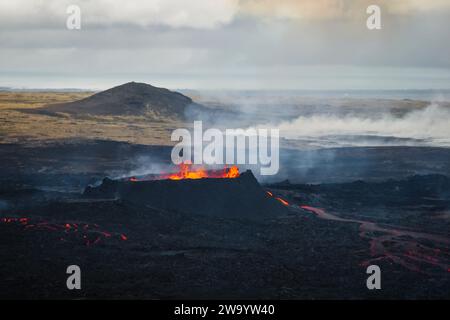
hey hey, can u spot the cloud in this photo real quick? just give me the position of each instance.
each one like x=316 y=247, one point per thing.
x=227 y=43
x=415 y=6
x=293 y=8
x=199 y=14
x=335 y=9
x=143 y=13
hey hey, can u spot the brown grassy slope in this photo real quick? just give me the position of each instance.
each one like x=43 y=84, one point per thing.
x=17 y=126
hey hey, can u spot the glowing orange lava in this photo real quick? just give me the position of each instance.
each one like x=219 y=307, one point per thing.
x=283 y=201
x=187 y=172
x=89 y=234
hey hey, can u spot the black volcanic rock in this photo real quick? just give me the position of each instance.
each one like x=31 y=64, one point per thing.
x=240 y=197
x=129 y=99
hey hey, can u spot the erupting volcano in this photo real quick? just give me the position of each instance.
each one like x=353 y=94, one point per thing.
x=225 y=192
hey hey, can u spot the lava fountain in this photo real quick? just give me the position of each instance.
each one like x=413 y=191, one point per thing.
x=188 y=171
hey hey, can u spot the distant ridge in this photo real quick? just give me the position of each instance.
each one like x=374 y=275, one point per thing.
x=131 y=98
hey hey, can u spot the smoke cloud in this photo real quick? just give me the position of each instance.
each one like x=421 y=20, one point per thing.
x=430 y=125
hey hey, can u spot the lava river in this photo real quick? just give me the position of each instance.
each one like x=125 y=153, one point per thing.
x=416 y=251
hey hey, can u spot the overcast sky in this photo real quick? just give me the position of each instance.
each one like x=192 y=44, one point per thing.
x=226 y=44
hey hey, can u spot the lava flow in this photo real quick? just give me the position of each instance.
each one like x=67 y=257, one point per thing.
x=187 y=171
x=284 y=202
x=89 y=234
x=413 y=250
x=401 y=246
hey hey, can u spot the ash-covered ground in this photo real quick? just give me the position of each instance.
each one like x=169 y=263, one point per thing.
x=393 y=213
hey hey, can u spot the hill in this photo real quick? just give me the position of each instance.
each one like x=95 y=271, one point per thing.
x=131 y=98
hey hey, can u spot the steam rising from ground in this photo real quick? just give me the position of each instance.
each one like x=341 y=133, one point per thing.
x=429 y=126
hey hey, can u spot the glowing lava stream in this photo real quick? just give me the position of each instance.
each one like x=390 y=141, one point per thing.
x=90 y=234
x=410 y=252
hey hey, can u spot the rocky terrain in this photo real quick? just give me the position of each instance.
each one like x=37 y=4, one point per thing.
x=317 y=246
x=76 y=188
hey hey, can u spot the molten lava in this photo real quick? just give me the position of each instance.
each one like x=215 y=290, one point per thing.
x=284 y=202
x=187 y=172
x=89 y=234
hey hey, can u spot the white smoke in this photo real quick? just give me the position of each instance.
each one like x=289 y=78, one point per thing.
x=430 y=124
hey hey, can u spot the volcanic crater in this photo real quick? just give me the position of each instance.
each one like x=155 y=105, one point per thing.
x=240 y=196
